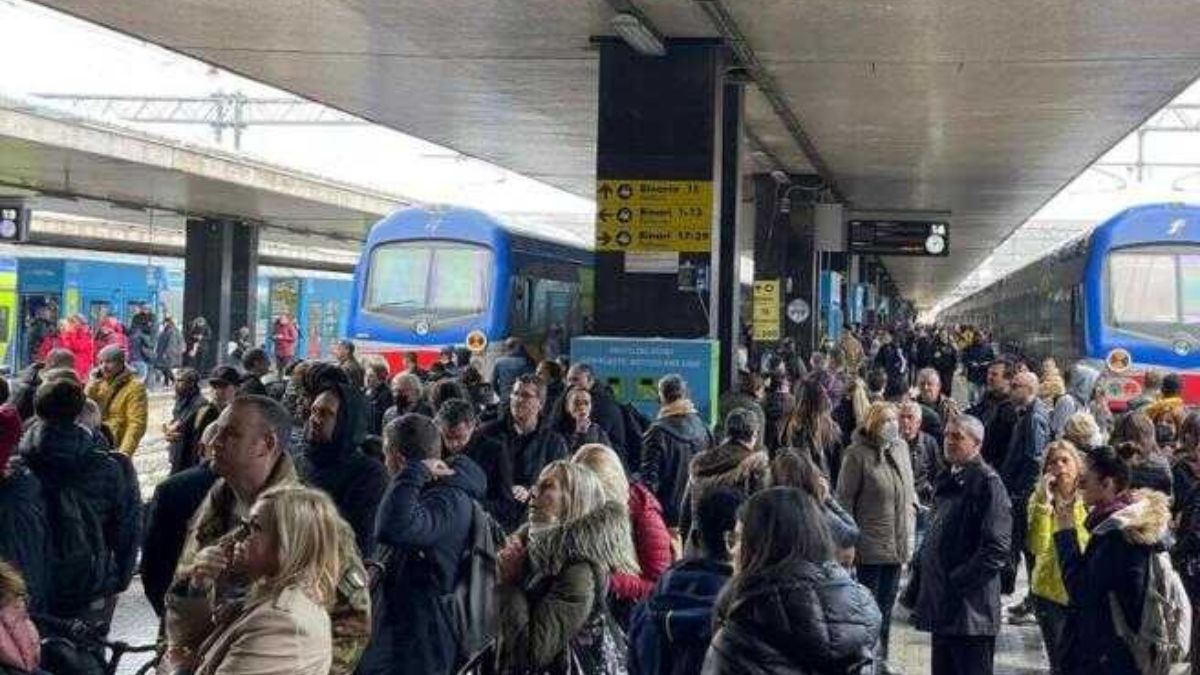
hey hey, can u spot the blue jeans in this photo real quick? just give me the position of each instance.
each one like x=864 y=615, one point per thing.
x=884 y=583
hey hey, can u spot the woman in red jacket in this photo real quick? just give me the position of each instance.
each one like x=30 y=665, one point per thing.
x=78 y=338
x=651 y=539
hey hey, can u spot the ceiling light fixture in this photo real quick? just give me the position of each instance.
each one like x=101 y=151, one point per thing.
x=636 y=33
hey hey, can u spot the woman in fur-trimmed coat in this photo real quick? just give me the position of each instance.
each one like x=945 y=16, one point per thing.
x=554 y=574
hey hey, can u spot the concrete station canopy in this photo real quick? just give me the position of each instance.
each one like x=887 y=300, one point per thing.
x=979 y=107
x=70 y=165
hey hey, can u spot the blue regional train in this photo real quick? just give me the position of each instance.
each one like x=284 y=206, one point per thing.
x=94 y=284
x=431 y=277
x=1126 y=297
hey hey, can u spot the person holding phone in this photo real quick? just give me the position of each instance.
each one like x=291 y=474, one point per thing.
x=1057 y=489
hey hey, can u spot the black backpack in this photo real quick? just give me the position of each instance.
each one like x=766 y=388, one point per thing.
x=473 y=608
x=81 y=564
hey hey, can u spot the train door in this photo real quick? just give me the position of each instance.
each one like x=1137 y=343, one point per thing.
x=39 y=314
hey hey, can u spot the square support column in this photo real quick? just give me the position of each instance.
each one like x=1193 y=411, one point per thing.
x=220 y=280
x=659 y=191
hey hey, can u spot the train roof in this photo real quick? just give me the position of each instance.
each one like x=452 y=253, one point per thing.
x=460 y=221
x=1134 y=225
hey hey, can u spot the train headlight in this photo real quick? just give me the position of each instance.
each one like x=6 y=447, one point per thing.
x=1182 y=346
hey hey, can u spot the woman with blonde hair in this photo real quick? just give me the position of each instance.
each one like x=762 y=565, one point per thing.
x=20 y=646
x=876 y=487
x=1059 y=486
x=288 y=549
x=651 y=539
x=1083 y=432
x=553 y=573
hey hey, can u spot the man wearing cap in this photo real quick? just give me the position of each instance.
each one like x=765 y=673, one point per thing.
x=121 y=397
x=223 y=385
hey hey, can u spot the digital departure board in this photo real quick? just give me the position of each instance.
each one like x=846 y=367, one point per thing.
x=900 y=237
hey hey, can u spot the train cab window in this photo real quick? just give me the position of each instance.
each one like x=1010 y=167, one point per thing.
x=421 y=277
x=1154 y=287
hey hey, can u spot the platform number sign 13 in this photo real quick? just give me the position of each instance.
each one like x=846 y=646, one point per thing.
x=14 y=222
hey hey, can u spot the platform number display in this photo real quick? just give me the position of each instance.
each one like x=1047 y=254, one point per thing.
x=14 y=222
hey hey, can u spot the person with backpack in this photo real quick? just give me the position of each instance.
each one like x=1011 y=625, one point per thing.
x=670 y=632
x=93 y=525
x=422 y=532
x=1122 y=586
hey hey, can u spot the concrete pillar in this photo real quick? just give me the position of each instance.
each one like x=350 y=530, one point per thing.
x=727 y=276
x=220 y=280
x=660 y=191
x=785 y=249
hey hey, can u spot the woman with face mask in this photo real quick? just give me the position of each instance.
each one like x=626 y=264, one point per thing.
x=876 y=487
x=553 y=576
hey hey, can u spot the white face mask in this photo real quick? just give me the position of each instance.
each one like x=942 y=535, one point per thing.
x=890 y=431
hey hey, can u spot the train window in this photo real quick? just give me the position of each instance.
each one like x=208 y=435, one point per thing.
x=409 y=278
x=1143 y=288
x=1189 y=288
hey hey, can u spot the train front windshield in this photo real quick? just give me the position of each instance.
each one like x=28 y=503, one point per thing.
x=1155 y=290
x=423 y=278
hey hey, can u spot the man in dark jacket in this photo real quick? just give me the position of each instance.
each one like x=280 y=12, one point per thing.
x=997 y=412
x=27 y=381
x=513 y=450
x=408 y=396
x=378 y=394
x=1126 y=529
x=425 y=520
x=343 y=351
x=331 y=459
x=890 y=358
x=509 y=367
x=181 y=432
x=927 y=462
x=672 y=441
x=963 y=556
x=606 y=411
x=64 y=458
x=1022 y=465
x=977 y=359
x=670 y=632
x=174 y=503
x=255 y=365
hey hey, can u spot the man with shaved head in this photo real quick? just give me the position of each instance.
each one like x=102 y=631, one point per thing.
x=1022 y=464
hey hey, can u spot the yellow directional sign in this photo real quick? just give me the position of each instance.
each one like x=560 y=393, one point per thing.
x=767 y=321
x=654 y=215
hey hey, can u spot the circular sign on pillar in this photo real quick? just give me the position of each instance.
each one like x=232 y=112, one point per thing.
x=798 y=311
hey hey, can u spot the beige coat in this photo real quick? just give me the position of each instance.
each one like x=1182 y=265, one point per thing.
x=876 y=487
x=288 y=634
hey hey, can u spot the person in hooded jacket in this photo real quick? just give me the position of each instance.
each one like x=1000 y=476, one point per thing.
x=122 y=399
x=64 y=457
x=876 y=487
x=1081 y=383
x=331 y=459
x=789 y=606
x=734 y=463
x=513 y=450
x=670 y=632
x=651 y=539
x=553 y=574
x=425 y=523
x=1126 y=528
x=671 y=442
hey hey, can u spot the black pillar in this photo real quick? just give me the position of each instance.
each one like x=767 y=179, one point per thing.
x=728 y=276
x=785 y=249
x=660 y=125
x=220 y=280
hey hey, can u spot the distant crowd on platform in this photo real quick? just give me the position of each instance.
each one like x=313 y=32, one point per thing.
x=513 y=516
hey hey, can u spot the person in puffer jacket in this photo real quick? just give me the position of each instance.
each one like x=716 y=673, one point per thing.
x=651 y=539
x=790 y=607
x=671 y=442
x=670 y=632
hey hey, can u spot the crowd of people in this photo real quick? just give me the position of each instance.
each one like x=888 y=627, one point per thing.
x=344 y=516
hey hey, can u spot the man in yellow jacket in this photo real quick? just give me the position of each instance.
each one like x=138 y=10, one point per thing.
x=121 y=397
